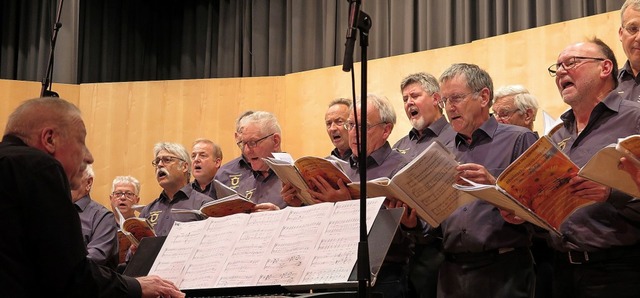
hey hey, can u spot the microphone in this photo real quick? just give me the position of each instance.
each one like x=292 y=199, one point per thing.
x=354 y=11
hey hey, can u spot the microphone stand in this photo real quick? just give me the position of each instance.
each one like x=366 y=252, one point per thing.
x=48 y=79
x=360 y=20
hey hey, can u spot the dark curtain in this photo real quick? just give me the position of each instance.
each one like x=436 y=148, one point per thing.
x=130 y=40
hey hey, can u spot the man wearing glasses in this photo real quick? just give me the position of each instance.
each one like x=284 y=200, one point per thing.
x=173 y=170
x=98 y=225
x=485 y=256
x=513 y=104
x=258 y=135
x=382 y=161
x=125 y=193
x=629 y=86
x=599 y=254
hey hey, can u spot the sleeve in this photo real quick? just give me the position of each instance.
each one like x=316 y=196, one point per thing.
x=58 y=247
x=103 y=245
x=627 y=206
x=523 y=142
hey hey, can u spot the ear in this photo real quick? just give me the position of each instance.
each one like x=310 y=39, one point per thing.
x=276 y=140
x=48 y=138
x=485 y=97
x=607 y=68
x=436 y=99
x=529 y=116
x=217 y=163
x=89 y=183
x=388 y=128
x=620 y=33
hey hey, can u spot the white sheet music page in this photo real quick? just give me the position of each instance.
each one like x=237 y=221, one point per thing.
x=250 y=250
x=176 y=251
x=294 y=244
x=211 y=252
x=336 y=251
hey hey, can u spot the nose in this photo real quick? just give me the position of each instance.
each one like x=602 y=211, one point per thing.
x=88 y=157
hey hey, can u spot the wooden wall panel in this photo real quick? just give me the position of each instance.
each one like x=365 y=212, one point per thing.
x=125 y=120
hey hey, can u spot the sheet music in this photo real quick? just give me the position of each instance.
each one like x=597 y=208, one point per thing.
x=249 y=252
x=296 y=245
x=214 y=248
x=337 y=251
x=172 y=258
x=295 y=241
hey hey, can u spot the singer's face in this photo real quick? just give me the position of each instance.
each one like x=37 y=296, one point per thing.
x=264 y=146
x=377 y=132
x=123 y=202
x=171 y=175
x=420 y=106
x=334 y=120
x=204 y=165
x=466 y=110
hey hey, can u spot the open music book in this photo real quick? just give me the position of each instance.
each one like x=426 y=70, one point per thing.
x=297 y=245
x=299 y=172
x=135 y=228
x=424 y=184
x=603 y=167
x=229 y=202
x=535 y=186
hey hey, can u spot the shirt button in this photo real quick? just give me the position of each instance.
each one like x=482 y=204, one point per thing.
x=464 y=231
x=464 y=209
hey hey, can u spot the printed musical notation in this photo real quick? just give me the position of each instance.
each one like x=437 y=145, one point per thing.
x=303 y=245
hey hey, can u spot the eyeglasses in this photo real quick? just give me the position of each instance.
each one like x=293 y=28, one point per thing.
x=338 y=122
x=351 y=125
x=505 y=114
x=253 y=144
x=126 y=194
x=453 y=99
x=570 y=63
x=632 y=29
x=165 y=160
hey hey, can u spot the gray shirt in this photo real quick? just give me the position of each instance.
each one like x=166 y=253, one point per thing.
x=159 y=211
x=628 y=85
x=615 y=222
x=411 y=145
x=238 y=175
x=478 y=226
x=99 y=232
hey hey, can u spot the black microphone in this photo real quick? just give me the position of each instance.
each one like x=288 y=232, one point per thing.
x=354 y=11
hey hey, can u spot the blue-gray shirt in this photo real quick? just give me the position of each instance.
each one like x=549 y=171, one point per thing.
x=238 y=175
x=615 y=222
x=412 y=144
x=478 y=226
x=159 y=213
x=628 y=84
x=99 y=231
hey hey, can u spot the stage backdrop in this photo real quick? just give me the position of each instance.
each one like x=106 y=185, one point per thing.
x=125 y=120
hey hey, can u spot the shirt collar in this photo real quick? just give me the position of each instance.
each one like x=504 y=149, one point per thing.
x=611 y=102
x=625 y=71
x=83 y=202
x=487 y=129
x=432 y=130
x=375 y=158
x=346 y=155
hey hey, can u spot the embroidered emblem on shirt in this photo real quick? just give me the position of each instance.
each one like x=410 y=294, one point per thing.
x=235 y=180
x=249 y=193
x=401 y=151
x=562 y=144
x=153 y=217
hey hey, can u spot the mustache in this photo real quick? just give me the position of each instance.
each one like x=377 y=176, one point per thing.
x=162 y=170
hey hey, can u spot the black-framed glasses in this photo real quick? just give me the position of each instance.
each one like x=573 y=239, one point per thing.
x=350 y=125
x=253 y=144
x=126 y=194
x=165 y=160
x=570 y=63
x=453 y=99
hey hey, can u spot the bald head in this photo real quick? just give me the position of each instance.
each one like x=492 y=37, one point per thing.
x=55 y=127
